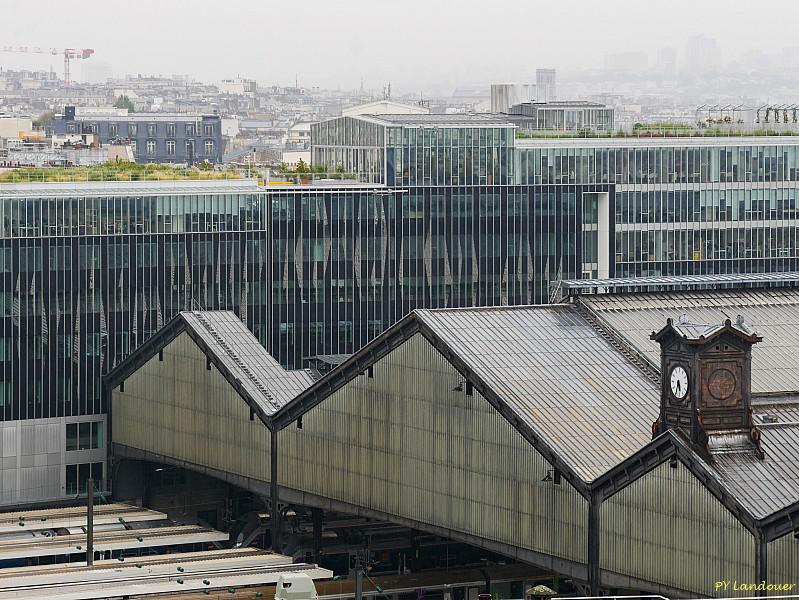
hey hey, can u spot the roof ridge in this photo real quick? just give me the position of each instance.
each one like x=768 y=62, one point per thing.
x=248 y=372
x=620 y=343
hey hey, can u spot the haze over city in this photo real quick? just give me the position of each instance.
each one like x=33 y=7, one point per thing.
x=416 y=44
x=399 y=300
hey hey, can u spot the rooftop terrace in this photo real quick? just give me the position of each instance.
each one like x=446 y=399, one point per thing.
x=122 y=171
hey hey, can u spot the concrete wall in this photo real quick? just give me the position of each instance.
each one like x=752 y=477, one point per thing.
x=34 y=458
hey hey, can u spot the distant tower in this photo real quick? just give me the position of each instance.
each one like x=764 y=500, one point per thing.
x=545 y=85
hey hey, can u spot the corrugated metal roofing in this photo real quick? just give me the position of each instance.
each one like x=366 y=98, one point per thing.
x=571 y=386
x=773 y=314
x=239 y=350
x=768 y=485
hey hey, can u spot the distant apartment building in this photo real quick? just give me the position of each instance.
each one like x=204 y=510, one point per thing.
x=505 y=95
x=12 y=127
x=578 y=115
x=238 y=86
x=154 y=137
x=545 y=85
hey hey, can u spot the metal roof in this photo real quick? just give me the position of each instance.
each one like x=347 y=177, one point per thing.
x=129 y=188
x=645 y=142
x=680 y=280
x=255 y=375
x=144 y=117
x=570 y=389
x=773 y=313
x=244 y=356
x=447 y=120
x=765 y=486
x=559 y=374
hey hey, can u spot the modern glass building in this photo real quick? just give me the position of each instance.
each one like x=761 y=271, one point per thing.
x=458 y=213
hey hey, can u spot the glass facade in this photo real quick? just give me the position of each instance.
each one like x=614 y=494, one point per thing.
x=684 y=207
x=458 y=216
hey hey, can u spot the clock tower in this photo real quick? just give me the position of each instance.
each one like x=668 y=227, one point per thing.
x=706 y=390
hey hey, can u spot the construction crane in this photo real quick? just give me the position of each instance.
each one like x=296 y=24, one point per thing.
x=68 y=54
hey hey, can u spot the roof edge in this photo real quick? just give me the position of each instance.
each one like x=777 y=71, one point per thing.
x=380 y=347
x=167 y=334
x=668 y=445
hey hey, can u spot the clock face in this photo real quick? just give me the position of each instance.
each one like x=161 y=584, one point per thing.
x=679 y=382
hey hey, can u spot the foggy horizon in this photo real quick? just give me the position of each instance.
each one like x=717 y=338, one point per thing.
x=412 y=44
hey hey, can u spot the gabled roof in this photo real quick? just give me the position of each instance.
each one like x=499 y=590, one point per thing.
x=555 y=378
x=236 y=353
x=575 y=396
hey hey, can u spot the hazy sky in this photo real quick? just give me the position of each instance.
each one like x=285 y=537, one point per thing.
x=412 y=43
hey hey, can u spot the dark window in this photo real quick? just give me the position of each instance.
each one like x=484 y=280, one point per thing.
x=72 y=436
x=84 y=435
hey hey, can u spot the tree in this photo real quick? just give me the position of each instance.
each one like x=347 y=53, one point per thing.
x=124 y=102
x=302 y=168
x=43 y=119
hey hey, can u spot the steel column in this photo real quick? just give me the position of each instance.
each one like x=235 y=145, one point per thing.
x=273 y=493
x=594 y=505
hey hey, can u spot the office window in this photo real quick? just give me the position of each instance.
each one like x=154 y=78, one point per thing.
x=72 y=437
x=209 y=147
x=152 y=129
x=78 y=474
x=208 y=129
x=133 y=146
x=71 y=127
x=98 y=439
x=150 y=147
x=189 y=129
x=85 y=436
x=6 y=393
x=133 y=129
x=170 y=130
x=170 y=147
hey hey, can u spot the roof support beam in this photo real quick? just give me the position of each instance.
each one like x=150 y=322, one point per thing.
x=594 y=537
x=274 y=513
x=761 y=561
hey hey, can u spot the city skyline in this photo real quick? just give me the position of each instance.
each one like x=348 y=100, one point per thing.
x=449 y=46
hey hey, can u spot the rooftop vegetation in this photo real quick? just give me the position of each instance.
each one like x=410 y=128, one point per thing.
x=117 y=171
x=658 y=130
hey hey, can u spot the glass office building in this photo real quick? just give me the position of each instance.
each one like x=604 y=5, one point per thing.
x=458 y=213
